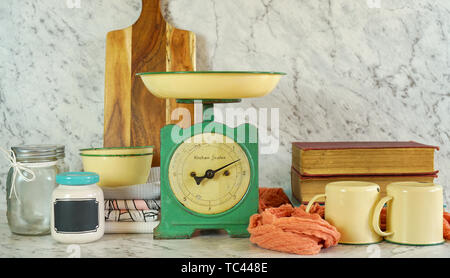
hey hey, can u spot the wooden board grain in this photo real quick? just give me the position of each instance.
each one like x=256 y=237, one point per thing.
x=180 y=57
x=133 y=116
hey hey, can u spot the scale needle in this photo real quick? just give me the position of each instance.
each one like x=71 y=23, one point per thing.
x=209 y=174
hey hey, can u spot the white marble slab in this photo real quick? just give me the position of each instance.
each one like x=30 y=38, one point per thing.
x=204 y=245
x=355 y=71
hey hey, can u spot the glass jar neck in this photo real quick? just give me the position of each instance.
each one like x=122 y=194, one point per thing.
x=36 y=160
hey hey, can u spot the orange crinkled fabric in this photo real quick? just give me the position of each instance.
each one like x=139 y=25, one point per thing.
x=447 y=225
x=272 y=198
x=292 y=230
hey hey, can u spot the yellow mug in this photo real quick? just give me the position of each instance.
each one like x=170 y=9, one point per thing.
x=414 y=213
x=349 y=207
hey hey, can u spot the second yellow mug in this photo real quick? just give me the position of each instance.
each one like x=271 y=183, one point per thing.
x=349 y=207
x=414 y=213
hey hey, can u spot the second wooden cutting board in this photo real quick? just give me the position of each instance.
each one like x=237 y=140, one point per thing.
x=133 y=116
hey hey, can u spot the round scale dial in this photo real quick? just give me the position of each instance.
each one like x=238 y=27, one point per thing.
x=209 y=173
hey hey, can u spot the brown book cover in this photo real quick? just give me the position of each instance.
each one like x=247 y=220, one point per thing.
x=360 y=145
x=306 y=187
x=363 y=158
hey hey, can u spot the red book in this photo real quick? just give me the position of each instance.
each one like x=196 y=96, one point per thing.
x=363 y=158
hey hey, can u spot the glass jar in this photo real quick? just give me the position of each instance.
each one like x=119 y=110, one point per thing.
x=29 y=188
x=61 y=164
x=78 y=214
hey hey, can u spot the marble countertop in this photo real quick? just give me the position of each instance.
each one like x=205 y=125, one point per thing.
x=204 y=245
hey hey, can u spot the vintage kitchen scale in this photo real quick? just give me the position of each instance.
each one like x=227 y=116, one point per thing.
x=209 y=171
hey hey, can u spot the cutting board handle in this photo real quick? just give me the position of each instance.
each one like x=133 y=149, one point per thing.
x=150 y=8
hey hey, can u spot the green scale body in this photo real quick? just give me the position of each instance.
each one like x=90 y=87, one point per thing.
x=183 y=212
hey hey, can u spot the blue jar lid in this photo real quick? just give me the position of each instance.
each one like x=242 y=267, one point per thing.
x=77 y=178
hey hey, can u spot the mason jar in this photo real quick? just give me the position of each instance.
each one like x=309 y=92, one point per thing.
x=29 y=187
x=61 y=164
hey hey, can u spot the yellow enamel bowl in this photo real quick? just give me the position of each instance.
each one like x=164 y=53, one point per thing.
x=119 y=170
x=118 y=150
x=210 y=84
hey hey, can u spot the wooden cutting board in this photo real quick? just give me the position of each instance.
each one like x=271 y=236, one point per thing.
x=132 y=115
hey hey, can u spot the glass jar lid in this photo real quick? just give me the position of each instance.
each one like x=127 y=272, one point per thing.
x=35 y=152
x=60 y=151
x=77 y=178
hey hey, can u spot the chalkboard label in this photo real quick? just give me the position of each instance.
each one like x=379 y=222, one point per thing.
x=76 y=216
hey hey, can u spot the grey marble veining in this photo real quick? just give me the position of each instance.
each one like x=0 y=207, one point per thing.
x=204 y=245
x=356 y=70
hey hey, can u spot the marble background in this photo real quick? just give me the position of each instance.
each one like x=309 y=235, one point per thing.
x=357 y=70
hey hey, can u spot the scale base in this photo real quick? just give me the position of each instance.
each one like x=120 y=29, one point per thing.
x=186 y=232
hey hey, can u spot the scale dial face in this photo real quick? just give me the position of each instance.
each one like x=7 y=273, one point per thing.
x=209 y=173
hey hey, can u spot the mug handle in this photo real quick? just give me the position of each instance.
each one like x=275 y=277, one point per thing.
x=376 y=217
x=313 y=200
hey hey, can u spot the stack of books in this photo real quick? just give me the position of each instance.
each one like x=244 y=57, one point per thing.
x=315 y=164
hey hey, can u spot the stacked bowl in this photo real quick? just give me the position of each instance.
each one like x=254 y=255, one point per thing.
x=119 y=166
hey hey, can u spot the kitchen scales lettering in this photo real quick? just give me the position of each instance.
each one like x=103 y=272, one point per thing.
x=209 y=171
